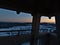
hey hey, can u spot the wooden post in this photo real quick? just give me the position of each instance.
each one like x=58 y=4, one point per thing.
x=57 y=18
x=35 y=29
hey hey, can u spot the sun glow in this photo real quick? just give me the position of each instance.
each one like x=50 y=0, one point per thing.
x=46 y=19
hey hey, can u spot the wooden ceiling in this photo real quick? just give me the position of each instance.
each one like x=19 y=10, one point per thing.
x=44 y=7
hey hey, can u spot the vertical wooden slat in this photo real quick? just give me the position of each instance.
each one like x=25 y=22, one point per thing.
x=35 y=29
x=57 y=18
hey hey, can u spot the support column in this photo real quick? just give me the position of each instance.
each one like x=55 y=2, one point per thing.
x=35 y=29
x=57 y=18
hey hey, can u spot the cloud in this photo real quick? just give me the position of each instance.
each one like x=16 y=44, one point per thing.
x=11 y=16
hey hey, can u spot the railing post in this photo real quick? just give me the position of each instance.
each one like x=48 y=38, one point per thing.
x=35 y=29
x=18 y=32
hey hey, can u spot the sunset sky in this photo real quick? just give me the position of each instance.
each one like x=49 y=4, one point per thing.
x=11 y=16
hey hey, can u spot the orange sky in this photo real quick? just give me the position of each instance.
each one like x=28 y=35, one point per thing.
x=46 y=19
x=43 y=19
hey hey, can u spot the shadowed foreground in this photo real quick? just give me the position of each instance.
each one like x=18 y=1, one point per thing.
x=14 y=40
x=18 y=40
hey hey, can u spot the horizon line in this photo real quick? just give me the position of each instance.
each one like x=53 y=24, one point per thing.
x=26 y=22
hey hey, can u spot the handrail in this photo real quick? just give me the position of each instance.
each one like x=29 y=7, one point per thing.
x=10 y=32
x=13 y=30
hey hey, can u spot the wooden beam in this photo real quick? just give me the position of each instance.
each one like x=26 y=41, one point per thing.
x=57 y=18
x=35 y=29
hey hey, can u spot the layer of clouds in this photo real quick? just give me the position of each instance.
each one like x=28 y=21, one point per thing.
x=11 y=16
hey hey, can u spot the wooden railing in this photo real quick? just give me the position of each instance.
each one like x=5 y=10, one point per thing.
x=19 y=32
x=42 y=36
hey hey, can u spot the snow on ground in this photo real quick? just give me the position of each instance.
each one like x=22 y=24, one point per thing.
x=43 y=28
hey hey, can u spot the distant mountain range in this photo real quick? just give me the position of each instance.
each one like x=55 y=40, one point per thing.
x=11 y=24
